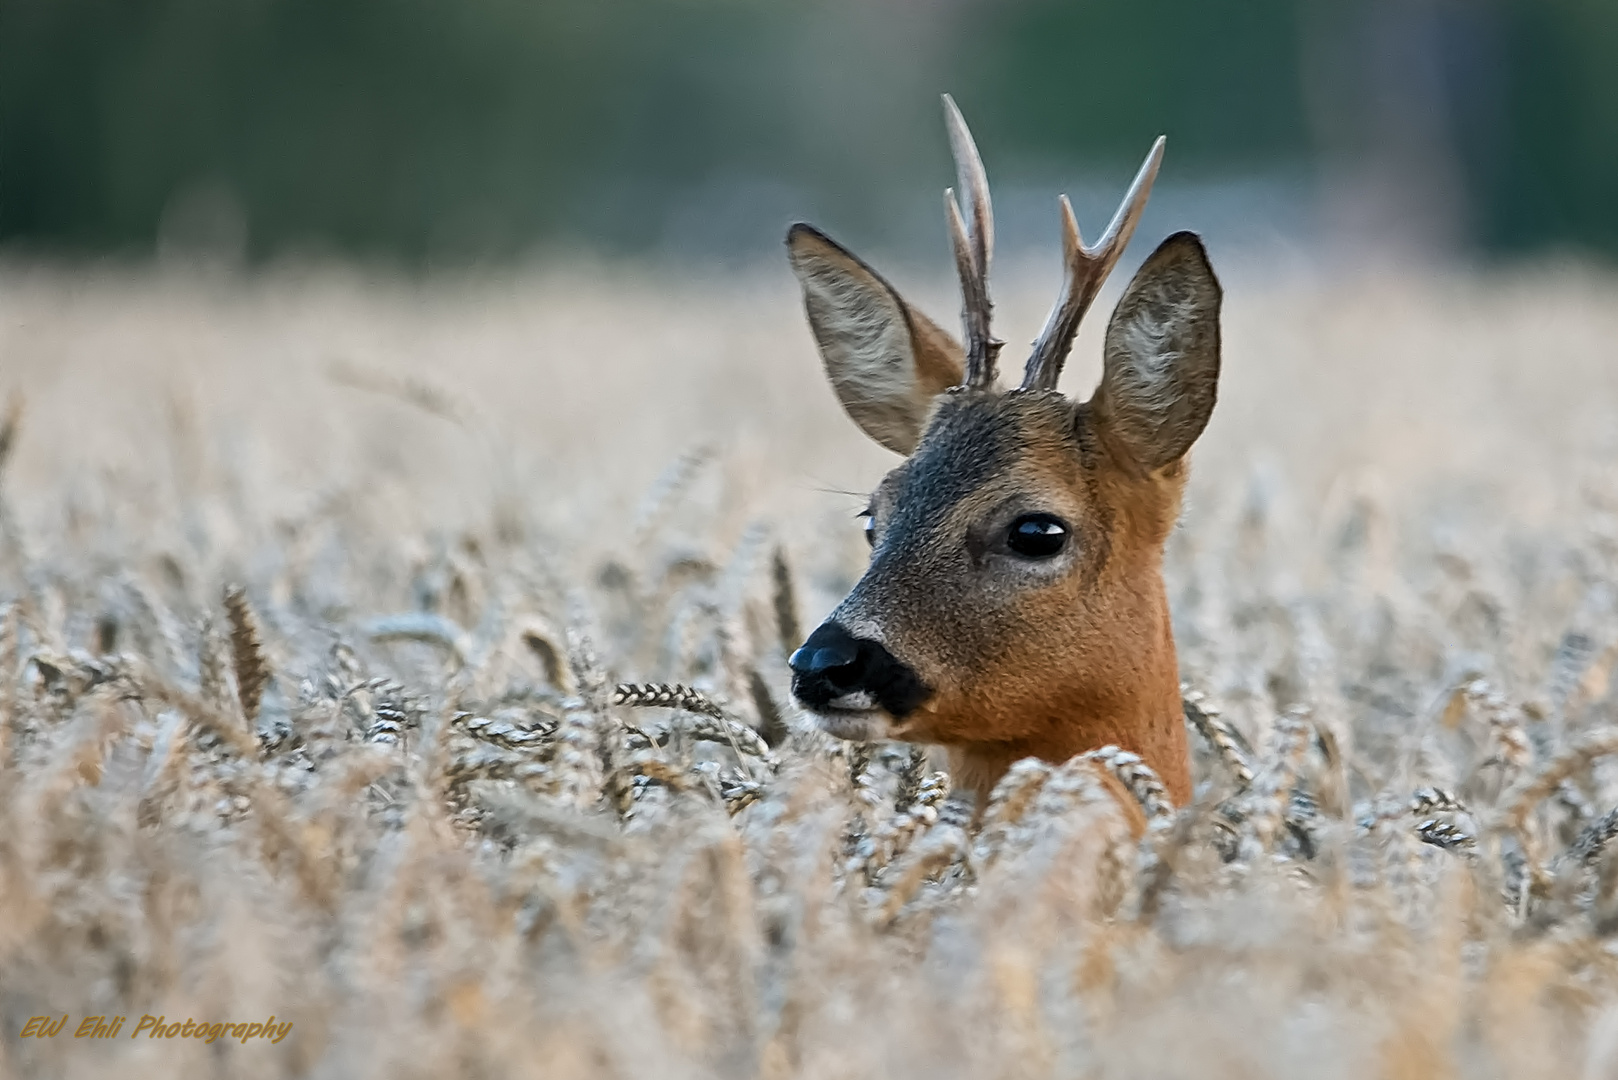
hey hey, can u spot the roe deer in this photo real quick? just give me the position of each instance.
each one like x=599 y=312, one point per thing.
x=1014 y=603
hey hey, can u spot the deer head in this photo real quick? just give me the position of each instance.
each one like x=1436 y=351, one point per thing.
x=1014 y=602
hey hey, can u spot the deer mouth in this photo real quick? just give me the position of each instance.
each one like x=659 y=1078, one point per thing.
x=857 y=721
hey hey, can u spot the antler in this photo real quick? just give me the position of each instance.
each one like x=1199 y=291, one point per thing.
x=1086 y=269
x=973 y=241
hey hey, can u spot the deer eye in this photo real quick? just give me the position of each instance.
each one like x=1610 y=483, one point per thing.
x=869 y=526
x=1036 y=536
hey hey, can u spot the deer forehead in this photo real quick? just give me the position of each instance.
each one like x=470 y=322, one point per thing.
x=980 y=449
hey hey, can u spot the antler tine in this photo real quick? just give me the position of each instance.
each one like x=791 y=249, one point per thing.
x=971 y=179
x=972 y=237
x=1085 y=269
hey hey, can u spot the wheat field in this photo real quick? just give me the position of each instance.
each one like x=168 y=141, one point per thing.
x=315 y=588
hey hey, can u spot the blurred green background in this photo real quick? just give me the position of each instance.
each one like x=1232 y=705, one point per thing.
x=450 y=130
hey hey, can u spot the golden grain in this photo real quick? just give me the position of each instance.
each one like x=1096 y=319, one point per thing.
x=444 y=845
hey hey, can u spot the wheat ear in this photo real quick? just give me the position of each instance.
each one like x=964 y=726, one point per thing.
x=246 y=652
x=743 y=739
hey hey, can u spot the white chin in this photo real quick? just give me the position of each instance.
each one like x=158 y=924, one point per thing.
x=865 y=725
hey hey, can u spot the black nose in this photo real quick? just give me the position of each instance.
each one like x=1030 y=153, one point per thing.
x=829 y=664
x=834 y=663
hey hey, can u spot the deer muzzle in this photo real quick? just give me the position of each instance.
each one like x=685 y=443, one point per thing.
x=849 y=682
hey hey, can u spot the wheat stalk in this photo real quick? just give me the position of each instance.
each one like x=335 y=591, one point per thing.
x=743 y=739
x=784 y=601
x=247 y=657
x=10 y=425
x=667 y=489
x=1219 y=735
x=423 y=626
x=1140 y=780
x=409 y=389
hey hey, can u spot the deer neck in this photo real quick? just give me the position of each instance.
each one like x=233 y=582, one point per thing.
x=1139 y=709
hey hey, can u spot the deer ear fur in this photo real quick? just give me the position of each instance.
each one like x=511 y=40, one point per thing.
x=886 y=360
x=1161 y=354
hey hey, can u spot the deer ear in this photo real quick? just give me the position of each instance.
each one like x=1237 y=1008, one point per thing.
x=1162 y=356
x=886 y=360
